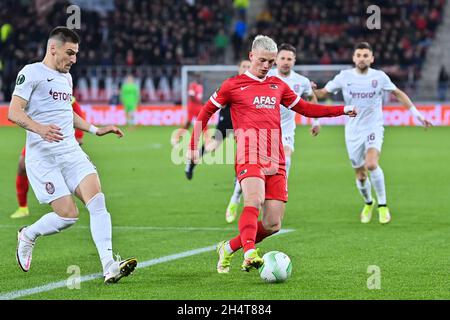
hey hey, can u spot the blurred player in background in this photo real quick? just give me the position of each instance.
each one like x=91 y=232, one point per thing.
x=56 y=165
x=301 y=85
x=363 y=87
x=255 y=100
x=22 y=179
x=194 y=105
x=129 y=97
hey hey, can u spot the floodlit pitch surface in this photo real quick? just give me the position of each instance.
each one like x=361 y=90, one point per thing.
x=171 y=224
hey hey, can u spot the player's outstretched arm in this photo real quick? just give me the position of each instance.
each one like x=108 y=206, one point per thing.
x=200 y=126
x=315 y=128
x=80 y=123
x=16 y=114
x=312 y=110
x=406 y=101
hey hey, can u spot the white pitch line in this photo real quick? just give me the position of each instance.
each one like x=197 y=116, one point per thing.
x=143 y=228
x=63 y=283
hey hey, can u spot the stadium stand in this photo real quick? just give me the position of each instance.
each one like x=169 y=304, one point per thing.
x=325 y=31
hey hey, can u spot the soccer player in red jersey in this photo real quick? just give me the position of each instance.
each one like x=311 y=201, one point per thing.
x=195 y=93
x=195 y=96
x=255 y=102
x=22 y=179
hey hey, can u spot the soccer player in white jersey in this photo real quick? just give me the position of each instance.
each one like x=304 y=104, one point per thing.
x=55 y=164
x=363 y=87
x=301 y=85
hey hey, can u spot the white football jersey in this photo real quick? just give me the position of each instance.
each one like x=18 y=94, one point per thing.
x=300 y=85
x=49 y=96
x=365 y=91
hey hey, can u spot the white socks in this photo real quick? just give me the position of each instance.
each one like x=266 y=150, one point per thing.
x=228 y=247
x=101 y=229
x=48 y=224
x=288 y=166
x=365 y=189
x=377 y=178
x=236 y=197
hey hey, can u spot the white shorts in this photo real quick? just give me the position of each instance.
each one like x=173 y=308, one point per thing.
x=288 y=141
x=54 y=177
x=357 y=145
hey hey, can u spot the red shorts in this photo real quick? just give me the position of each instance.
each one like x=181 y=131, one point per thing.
x=275 y=184
x=193 y=111
x=23 y=152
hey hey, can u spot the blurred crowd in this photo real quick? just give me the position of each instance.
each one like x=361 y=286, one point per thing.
x=164 y=33
x=326 y=31
x=157 y=32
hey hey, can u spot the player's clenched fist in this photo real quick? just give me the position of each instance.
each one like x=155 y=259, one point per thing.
x=350 y=111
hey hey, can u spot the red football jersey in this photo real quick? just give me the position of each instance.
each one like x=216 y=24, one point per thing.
x=195 y=93
x=255 y=113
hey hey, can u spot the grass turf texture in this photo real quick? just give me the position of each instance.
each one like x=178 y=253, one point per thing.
x=330 y=249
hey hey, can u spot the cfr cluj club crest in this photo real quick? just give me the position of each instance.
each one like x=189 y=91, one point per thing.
x=50 y=188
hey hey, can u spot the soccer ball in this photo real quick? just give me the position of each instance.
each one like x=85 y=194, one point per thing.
x=277 y=267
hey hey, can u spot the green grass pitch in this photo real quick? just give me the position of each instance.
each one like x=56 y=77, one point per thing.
x=156 y=213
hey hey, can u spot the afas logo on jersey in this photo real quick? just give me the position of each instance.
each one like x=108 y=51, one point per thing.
x=60 y=95
x=264 y=102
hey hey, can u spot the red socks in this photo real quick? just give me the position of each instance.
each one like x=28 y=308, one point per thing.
x=248 y=225
x=22 y=190
x=246 y=230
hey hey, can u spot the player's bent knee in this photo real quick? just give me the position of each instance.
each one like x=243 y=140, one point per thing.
x=361 y=175
x=67 y=212
x=97 y=205
x=372 y=166
x=21 y=171
x=254 y=201
x=273 y=227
